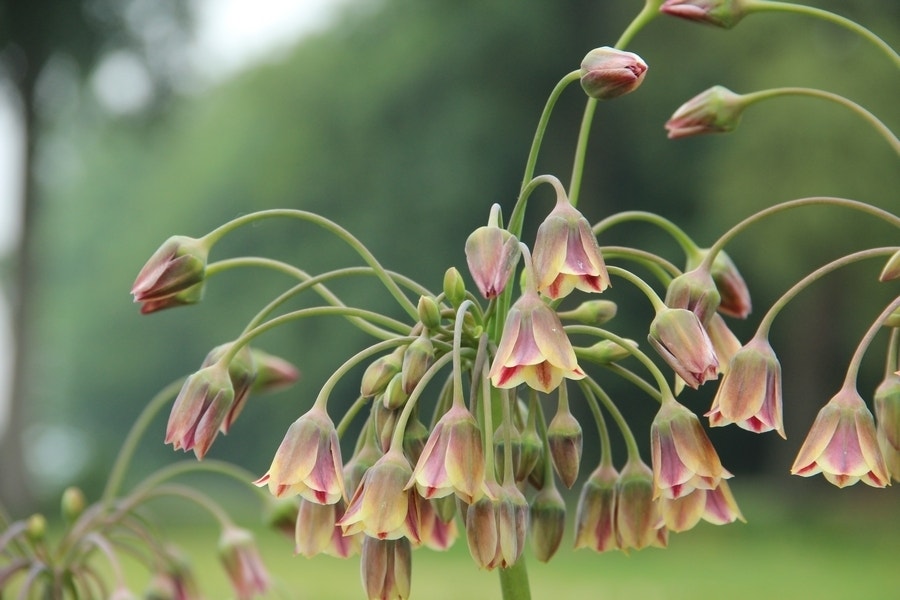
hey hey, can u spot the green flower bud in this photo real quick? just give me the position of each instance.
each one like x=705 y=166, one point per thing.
x=380 y=372
x=548 y=522
x=592 y=312
x=454 y=287
x=605 y=352
x=429 y=312
x=72 y=504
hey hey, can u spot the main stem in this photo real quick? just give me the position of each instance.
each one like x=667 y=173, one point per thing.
x=514 y=581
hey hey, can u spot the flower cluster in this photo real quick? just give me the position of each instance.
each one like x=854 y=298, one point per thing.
x=454 y=395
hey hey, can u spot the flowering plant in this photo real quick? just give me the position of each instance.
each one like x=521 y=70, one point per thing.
x=455 y=438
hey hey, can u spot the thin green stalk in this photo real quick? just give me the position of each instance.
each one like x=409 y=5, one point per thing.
x=600 y=421
x=772 y=6
x=400 y=427
x=765 y=323
x=631 y=444
x=856 y=360
x=208 y=466
x=663 y=270
x=870 y=118
x=639 y=283
x=123 y=459
x=690 y=248
x=329 y=225
x=783 y=206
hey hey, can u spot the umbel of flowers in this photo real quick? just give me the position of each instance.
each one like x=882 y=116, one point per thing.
x=465 y=399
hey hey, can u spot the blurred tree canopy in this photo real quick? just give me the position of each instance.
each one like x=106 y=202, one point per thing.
x=404 y=122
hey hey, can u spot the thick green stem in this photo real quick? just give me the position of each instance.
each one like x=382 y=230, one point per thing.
x=514 y=581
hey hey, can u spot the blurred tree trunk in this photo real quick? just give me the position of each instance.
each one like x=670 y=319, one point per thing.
x=15 y=493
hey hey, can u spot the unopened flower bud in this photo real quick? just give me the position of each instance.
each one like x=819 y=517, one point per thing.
x=734 y=296
x=548 y=522
x=380 y=372
x=242 y=562
x=605 y=352
x=394 y=396
x=891 y=270
x=72 y=504
x=716 y=110
x=200 y=409
x=186 y=297
x=386 y=568
x=36 y=527
x=177 y=265
x=638 y=520
x=720 y=13
x=529 y=452
x=429 y=312
x=415 y=436
x=695 y=291
x=507 y=438
x=492 y=254
x=887 y=417
x=416 y=360
x=595 y=526
x=609 y=73
x=893 y=319
x=272 y=372
x=242 y=371
x=385 y=419
x=680 y=339
x=591 y=312
x=454 y=287
x=565 y=439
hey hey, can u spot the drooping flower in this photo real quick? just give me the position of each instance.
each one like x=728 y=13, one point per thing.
x=308 y=461
x=317 y=532
x=242 y=563
x=177 y=266
x=386 y=568
x=595 y=525
x=638 y=523
x=734 y=295
x=533 y=349
x=566 y=253
x=695 y=291
x=492 y=254
x=548 y=522
x=186 y=297
x=565 y=439
x=273 y=373
x=750 y=393
x=716 y=110
x=725 y=344
x=683 y=457
x=680 y=339
x=720 y=13
x=608 y=73
x=453 y=458
x=887 y=418
x=496 y=525
x=382 y=507
x=436 y=530
x=716 y=506
x=242 y=371
x=842 y=444
x=200 y=409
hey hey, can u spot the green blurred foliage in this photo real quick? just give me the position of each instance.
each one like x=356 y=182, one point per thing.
x=404 y=123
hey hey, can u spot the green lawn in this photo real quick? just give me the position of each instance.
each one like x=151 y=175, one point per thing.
x=847 y=546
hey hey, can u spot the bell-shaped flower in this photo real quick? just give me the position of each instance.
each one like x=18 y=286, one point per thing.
x=242 y=563
x=716 y=110
x=566 y=253
x=316 y=531
x=683 y=457
x=750 y=392
x=608 y=73
x=533 y=349
x=680 y=339
x=887 y=418
x=720 y=13
x=386 y=568
x=496 y=525
x=242 y=371
x=734 y=295
x=382 y=507
x=638 y=523
x=179 y=264
x=453 y=458
x=842 y=444
x=595 y=525
x=695 y=291
x=725 y=344
x=492 y=254
x=200 y=409
x=716 y=506
x=436 y=530
x=273 y=373
x=308 y=461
